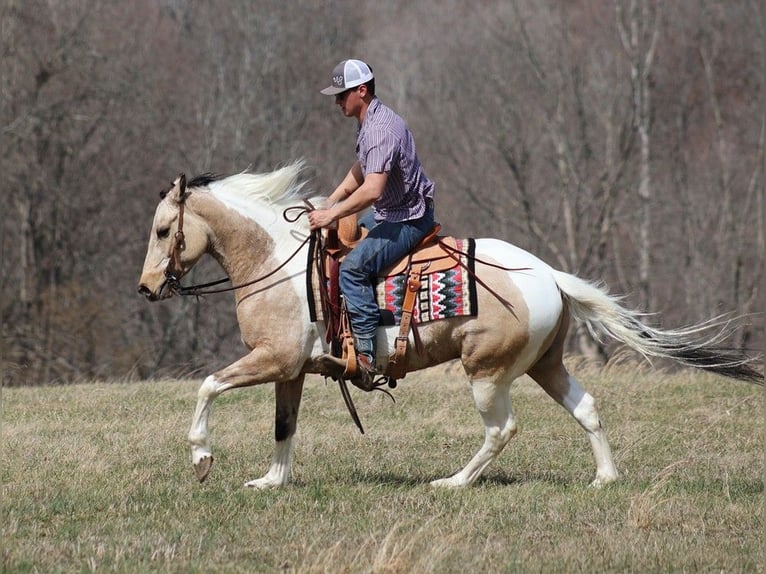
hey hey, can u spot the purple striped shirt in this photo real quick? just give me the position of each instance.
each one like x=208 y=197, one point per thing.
x=384 y=144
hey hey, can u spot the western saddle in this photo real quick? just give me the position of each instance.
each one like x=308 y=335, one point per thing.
x=434 y=253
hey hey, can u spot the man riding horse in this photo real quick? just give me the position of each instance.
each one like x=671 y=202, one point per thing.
x=518 y=325
x=388 y=176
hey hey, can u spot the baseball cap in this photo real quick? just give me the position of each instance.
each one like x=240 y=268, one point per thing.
x=348 y=74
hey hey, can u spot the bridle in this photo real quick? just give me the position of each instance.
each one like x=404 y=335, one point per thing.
x=173 y=273
x=174 y=270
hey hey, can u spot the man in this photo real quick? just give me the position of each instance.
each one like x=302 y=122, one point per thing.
x=387 y=175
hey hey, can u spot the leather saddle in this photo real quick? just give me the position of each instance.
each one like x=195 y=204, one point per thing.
x=434 y=253
x=430 y=250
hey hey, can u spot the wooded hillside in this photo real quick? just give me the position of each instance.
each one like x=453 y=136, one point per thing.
x=621 y=140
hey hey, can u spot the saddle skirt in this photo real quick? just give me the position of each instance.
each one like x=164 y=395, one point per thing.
x=447 y=288
x=447 y=282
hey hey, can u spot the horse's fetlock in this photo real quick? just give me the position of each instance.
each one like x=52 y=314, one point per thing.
x=502 y=436
x=198 y=438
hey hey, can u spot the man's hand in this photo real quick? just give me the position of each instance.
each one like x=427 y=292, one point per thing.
x=355 y=201
x=320 y=218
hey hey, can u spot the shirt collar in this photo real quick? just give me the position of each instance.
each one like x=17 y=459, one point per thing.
x=371 y=109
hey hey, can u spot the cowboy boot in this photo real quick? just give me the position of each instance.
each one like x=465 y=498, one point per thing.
x=365 y=360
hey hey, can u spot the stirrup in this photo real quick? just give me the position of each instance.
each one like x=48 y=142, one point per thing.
x=363 y=373
x=365 y=378
x=337 y=368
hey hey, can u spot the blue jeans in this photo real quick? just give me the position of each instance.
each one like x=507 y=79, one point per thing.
x=384 y=245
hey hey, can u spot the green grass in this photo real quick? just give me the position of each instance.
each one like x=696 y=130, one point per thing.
x=98 y=478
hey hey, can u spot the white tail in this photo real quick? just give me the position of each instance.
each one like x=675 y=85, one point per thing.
x=694 y=346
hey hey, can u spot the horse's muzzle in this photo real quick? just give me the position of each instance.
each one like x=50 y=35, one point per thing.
x=148 y=293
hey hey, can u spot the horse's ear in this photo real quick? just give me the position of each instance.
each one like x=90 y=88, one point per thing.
x=178 y=191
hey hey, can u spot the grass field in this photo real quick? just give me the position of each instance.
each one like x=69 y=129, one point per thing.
x=97 y=478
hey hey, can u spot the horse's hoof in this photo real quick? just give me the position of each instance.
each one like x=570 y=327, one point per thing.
x=602 y=481
x=261 y=484
x=202 y=467
x=450 y=482
x=268 y=482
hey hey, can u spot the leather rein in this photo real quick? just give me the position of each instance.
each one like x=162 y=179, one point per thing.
x=174 y=270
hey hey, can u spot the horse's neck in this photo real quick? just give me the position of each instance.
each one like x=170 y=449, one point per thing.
x=247 y=248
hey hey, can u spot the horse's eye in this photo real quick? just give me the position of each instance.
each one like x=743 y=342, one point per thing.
x=163 y=232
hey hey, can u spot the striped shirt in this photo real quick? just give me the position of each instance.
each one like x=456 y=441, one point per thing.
x=384 y=144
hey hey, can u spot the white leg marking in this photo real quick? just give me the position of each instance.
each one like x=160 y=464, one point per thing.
x=280 y=469
x=583 y=408
x=494 y=404
x=198 y=434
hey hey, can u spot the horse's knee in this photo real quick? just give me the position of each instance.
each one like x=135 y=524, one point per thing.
x=509 y=431
x=210 y=388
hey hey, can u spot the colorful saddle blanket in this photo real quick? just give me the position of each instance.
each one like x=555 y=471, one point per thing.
x=443 y=294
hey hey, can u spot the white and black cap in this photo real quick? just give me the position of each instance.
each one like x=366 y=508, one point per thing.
x=348 y=74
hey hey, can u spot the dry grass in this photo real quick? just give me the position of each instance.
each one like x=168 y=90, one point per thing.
x=97 y=478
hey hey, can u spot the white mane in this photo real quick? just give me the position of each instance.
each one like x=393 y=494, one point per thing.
x=260 y=196
x=279 y=186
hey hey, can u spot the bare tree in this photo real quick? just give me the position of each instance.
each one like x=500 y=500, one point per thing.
x=639 y=36
x=731 y=235
x=567 y=128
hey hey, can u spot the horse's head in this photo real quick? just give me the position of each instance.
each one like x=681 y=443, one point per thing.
x=178 y=239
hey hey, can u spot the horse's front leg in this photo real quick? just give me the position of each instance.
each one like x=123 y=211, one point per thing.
x=260 y=366
x=288 y=402
x=199 y=436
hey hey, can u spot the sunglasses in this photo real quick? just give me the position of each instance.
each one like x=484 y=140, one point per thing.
x=344 y=94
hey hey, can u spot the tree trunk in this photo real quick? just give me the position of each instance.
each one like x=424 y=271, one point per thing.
x=639 y=40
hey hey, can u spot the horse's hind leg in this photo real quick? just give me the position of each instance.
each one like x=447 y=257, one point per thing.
x=566 y=391
x=288 y=401
x=493 y=400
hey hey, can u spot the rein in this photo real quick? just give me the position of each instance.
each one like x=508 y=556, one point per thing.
x=173 y=270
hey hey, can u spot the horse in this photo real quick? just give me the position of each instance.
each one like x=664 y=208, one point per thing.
x=240 y=220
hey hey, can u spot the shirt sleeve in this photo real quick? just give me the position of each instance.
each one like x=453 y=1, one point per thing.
x=381 y=152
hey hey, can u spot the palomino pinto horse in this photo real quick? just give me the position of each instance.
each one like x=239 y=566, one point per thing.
x=239 y=220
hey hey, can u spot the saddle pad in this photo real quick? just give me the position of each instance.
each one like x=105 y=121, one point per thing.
x=443 y=294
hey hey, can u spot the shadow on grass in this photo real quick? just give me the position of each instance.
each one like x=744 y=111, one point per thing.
x=492 y=479
x=505 y=479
